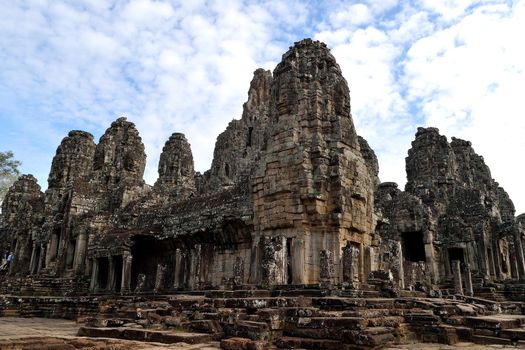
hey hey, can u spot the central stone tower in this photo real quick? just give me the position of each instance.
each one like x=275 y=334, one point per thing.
x=312 y=191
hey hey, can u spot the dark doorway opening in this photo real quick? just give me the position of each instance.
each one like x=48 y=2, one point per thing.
x=289 y=271
x=117 y=265
x=456 y=254
x=103 y=272
x=147 y=253
x=70 y=255
x=249 y=138
x=413 y=246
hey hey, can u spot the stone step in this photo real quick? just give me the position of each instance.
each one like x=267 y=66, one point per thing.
x=335 y=323
x=388 y=321
x=498 y=322
x=307 y=343
x=106 y=322
x=422 y=318
x=260 y=303
x=259 y=293
x=167 y=337
x=204 y=326
x=513 y=334
x=338 y=303
x=238 y=343
x=249 y=329
x=371 y=337
x=299 y=292
x=488 y=340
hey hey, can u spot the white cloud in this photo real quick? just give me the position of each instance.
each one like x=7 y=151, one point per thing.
x=167 y=66
x=456 y=65
x=469 y=80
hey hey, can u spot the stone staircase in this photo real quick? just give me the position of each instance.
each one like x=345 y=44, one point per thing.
x=260 y=319
x=43 y=285
x=299 y=317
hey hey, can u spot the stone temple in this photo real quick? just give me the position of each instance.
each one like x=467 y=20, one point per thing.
x=289 y=240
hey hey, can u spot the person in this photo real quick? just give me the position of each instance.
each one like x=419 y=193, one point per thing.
x=9 y=259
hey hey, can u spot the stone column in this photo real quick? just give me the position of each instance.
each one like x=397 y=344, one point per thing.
x=33 y=263
x=469 y=290
x=456 y=270
x=255 y=261
x=177 y=270
x=326 y=268
x=397 y=264
x=368 y=261
x=42 y=258
x=127 y=260
x=94 y=276
x=111 y=275
x=238 y=271
x=268 y=263
x=159 y=278
x=80 y=252
x=52 y=249
x=520 y=259
x=350 y=270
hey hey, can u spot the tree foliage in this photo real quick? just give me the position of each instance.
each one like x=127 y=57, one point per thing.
x=8 y=172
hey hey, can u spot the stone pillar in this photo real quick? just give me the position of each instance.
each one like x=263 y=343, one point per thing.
x=456 y=270
x=94 y=276
x=80 y=252
x=52 y=249
x=177 y=269
x=350 y=268
x=111 y=274
x=127 y=260
x=194 y=277
x=268 y=263
x=326 y=267
x=42 y=258
x=159 y=278
x=238 y=271
x=520 y=259
x=469 y=290
x=368 y=260
x=33 y=264
x=255 y=261
x=397 y=264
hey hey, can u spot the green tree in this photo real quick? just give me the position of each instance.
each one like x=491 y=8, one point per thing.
x=8 y=172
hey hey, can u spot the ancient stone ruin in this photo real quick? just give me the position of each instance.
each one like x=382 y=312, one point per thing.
x=289 y=240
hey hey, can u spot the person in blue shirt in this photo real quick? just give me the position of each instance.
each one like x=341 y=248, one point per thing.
x=9 y=259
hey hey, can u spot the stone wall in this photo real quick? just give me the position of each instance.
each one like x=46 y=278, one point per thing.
x=456 y=208
x=292 y=197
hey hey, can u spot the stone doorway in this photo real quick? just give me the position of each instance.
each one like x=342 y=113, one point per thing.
x=455 y=253
x=413 y=246
x=148 y=253
x=117 y=266
x=103 y=273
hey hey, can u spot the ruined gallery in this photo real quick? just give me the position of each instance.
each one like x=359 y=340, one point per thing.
x=289 y=240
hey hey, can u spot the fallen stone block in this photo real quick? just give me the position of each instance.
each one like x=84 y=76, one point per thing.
x=235 y=343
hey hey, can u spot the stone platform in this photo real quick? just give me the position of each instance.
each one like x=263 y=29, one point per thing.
x=263 y=319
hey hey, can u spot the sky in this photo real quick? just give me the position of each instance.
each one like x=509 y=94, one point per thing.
x=185 y=66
